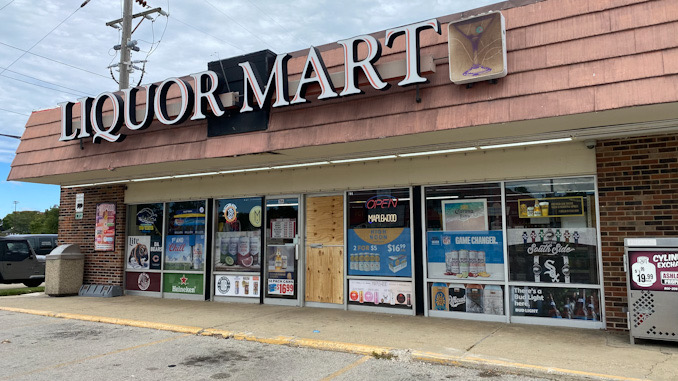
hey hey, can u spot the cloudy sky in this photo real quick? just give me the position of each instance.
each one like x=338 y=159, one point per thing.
x=54 y=51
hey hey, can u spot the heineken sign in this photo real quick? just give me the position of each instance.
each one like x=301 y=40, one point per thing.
x=182 y=283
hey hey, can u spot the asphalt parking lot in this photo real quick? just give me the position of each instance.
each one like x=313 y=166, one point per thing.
x=44 y=348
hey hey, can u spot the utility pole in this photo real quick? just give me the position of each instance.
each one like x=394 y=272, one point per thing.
x=125 y=60
x=15 y=202
x=126 y=43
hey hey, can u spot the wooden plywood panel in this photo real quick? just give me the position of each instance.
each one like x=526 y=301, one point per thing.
x=325 y=220
x=325 y=265
x=325 y=275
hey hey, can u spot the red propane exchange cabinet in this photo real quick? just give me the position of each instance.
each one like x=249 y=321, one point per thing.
x=651 y=266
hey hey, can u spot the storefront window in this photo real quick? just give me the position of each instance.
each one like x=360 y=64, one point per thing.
x=465 y=248
x=185 y=243
x=238 y=238
x=379 y=239
x=552 y=235
x=144 y=237
x=144 y=248
x=185 y=248
x=379 y=246
x=238 y=247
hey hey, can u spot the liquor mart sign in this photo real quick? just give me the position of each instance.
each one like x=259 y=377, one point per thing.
x=194 y=98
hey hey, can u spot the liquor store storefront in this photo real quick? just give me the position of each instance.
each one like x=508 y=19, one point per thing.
x=393 y=173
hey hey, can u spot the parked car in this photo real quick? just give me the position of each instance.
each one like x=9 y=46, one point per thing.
x=42 y=244
x=19 y=263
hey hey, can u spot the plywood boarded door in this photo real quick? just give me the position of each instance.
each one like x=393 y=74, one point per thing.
x=325 y=249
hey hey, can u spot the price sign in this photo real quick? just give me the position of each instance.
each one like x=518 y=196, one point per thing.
x=654 y=270
x=281 y=287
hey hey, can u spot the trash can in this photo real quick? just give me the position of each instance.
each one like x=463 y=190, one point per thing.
x=64 y=271
x=651 y=266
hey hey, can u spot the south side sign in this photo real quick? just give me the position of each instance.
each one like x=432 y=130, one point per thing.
x=194 y=98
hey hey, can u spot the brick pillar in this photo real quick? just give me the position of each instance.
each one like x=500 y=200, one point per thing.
x=100 y=267
x=638 y=188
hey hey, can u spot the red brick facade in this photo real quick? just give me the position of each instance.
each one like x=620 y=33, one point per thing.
x=100 y=267
x=638 y=187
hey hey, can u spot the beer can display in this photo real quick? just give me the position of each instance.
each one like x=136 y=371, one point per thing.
x=473 y=262
x=452 y=262
x=463 y=262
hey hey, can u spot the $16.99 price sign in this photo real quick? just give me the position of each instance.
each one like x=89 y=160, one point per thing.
x=281 y=287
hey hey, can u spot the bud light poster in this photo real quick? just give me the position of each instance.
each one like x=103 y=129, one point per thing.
x=184 y=252
x=380 y=252
x=654 y=270
x=557 y=303
x=466 y=255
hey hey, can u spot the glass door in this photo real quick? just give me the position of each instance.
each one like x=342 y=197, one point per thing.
x=282 y=250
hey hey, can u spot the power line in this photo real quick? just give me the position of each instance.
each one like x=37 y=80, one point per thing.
x=53 y=60
x=14 y=112
x=214 y=37
x=45 y=36
x=44 y=87
x=41 y=80
x=5 y=6
x=240 y=25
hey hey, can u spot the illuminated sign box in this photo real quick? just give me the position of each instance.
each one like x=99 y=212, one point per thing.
x=477 y=48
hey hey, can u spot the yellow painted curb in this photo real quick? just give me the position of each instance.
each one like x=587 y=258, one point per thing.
x=340 y=347
x=336 y=346
x=476 y=362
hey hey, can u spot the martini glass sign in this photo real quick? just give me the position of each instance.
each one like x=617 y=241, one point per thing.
x=477 y=49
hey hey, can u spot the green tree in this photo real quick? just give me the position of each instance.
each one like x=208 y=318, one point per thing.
x=32 y=222
x=47 y=222
x=19 y=222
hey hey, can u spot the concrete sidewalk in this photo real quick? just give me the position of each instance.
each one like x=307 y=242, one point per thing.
x=519 y=348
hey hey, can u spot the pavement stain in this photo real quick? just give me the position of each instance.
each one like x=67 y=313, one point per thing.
x=214 y=358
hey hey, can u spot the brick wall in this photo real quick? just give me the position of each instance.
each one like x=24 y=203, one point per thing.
x=638 y=188
x=100 y=267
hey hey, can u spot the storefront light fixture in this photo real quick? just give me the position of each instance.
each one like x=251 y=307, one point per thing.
x=438 y=152
x=152 y=179
x=534 y=142
x=363 y=159
x=196 y=175
x=300 y=165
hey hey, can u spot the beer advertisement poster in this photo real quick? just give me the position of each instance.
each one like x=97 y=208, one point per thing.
x=242 y=286
x=138 y=252
x=238 y=251
x=557 y=303
x=182 y=283
x=184 y=252
x=380 y=293
x=465 y=255
x=653 y=270
x=380 y=252
x=280 y=261
x=465 y=215
x=439 y=297
x=104 y=234
x=553 y=255
x=142 y=281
